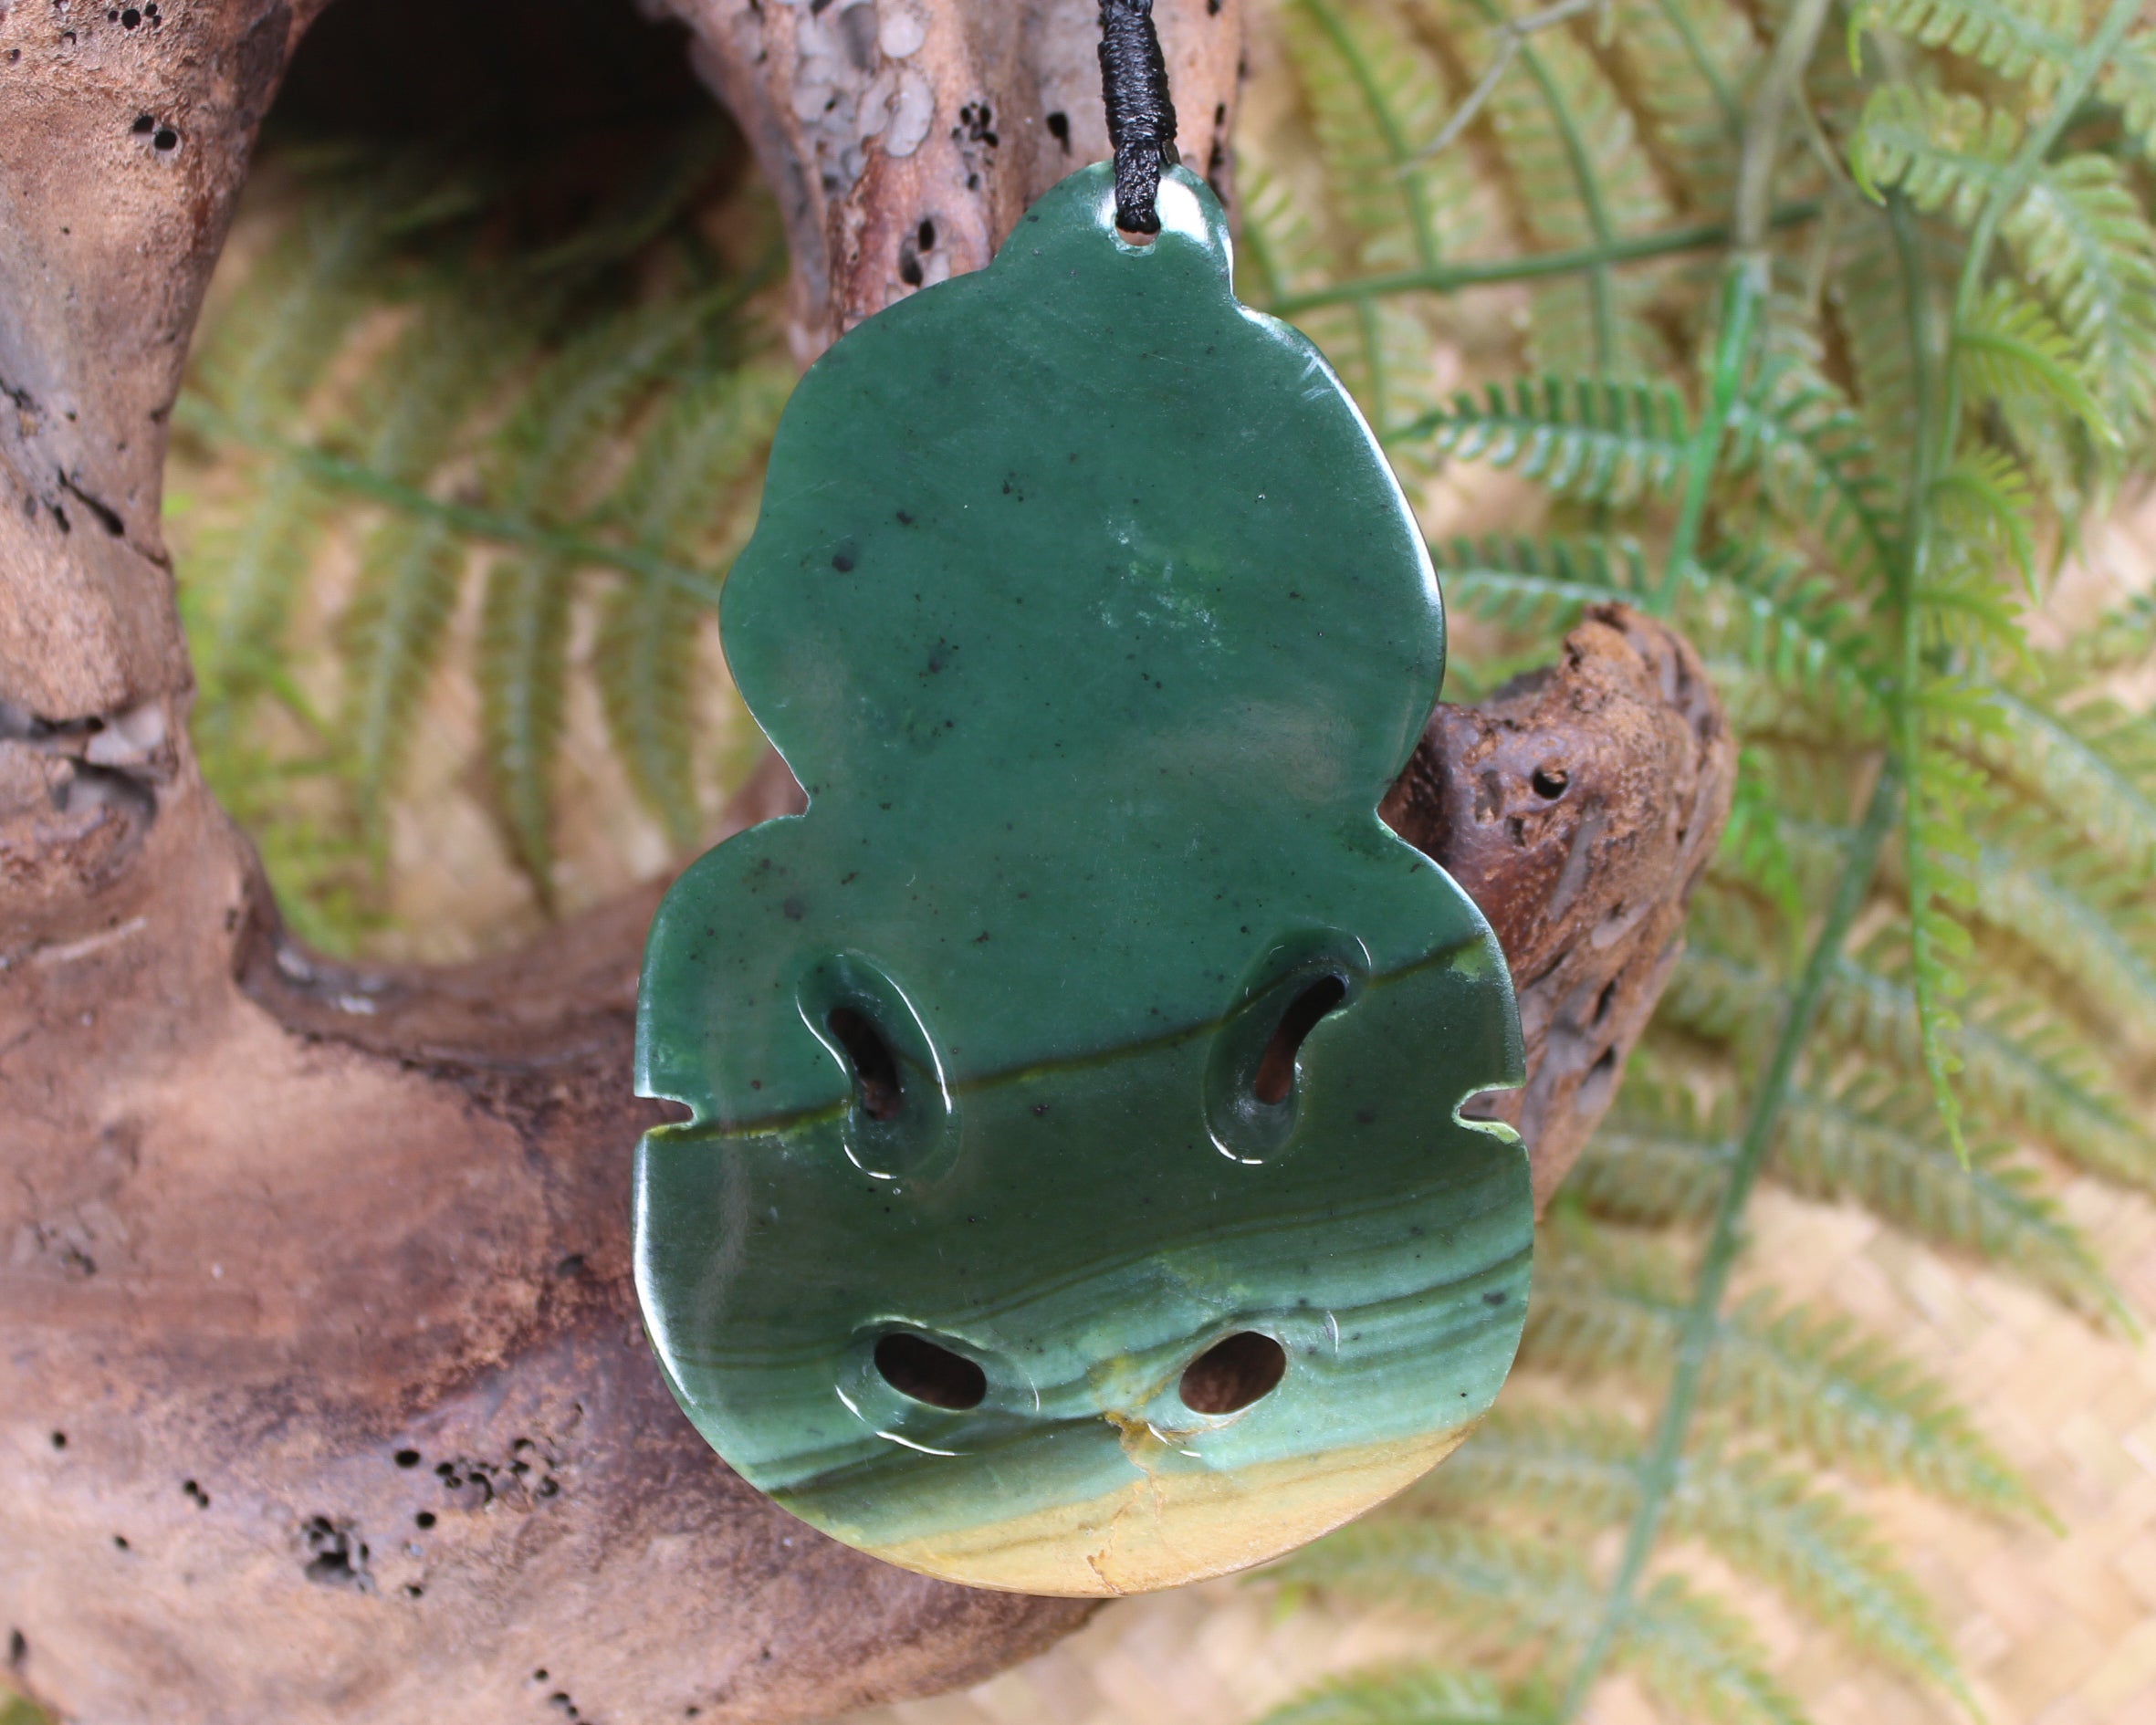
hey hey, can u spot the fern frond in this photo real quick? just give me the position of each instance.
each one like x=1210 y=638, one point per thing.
x=1577 y=176
x=1815 y=1383
x=1823 y=1555
x=2082 y=923
x=2129 y=82
x=1599 y=440
x=1702 y=1658
x=1686 y=1649
x=1686 y=68
x=2008 y=350
x=523 y=675
x=1817 y=464
x=261 y=561
x=2083 y=240
x=1981 y=503
x=2093 y=769
x=1888 y=1151
x=394 y=632
x=1794 y=627
x=645 y=661
x=2031 y=39
x=1514 y=1592
x=2022 y=1077
x=411 y=569
x=1538 y=585
x=1375 y=99
x=1416 y=1695
x=1945 y=150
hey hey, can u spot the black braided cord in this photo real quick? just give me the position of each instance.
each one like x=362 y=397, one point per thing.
x=1141 y=119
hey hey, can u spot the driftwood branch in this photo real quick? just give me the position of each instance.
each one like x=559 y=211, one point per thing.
x=324 y=1395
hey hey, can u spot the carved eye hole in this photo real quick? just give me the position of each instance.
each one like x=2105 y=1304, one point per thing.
x=1276 y=1066
x=875 y=1068
x=916 y=1367
x=1233 y=1373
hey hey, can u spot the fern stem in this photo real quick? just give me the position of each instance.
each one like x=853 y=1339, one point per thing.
x=1703 y=1318
x=1744 y=285
x=1448 y=278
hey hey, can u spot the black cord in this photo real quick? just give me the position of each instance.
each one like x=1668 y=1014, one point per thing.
x=1141 y=119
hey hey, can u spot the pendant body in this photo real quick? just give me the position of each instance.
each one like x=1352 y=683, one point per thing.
x=1074 y=1200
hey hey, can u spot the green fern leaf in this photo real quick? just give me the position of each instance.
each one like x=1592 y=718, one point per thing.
x=2080 y=923
x=2092 y=769
x=2031 y=39
x=2021 y=1079
x=1702 y=1658
x=645 y=663
x=2008 y=350
x=1983 y=504
x=1376 y=101
x=1687 y=1650
x=1814 y=1384
x=2129 y=82
x=1577 y=176
x=1538 y=586
x=1817 y=464
x=523 y=674
x=394 y=634
x=258 y=567
x=1944 y=151
x=2081 y=237
x=411 y=568
x=1417 y=1694
x=1599 y=442
x=1885 y=1150
x=1823 y=1556
x=1514 y=1592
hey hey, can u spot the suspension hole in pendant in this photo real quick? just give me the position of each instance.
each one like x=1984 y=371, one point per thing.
x=875 y=1068
x=1235 y=1372
x=1276 y=1066
x=928 y=1372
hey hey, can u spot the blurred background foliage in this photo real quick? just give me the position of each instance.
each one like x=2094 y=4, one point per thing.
x=1824 y=330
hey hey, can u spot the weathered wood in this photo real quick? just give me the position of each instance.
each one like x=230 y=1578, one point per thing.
x=272 y=1226
x=904 y=137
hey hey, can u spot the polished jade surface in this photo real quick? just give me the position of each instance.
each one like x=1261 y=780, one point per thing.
x=1087 y=611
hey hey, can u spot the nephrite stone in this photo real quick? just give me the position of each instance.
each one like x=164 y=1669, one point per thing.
x=1074 y=1198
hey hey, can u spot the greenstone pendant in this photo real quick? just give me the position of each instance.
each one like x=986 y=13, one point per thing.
x=1074 y=1198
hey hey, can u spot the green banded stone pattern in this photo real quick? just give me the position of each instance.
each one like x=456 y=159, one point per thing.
x=1090 y=1024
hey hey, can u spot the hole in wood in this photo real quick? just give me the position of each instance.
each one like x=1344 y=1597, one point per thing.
x=1550 y=782
x=875 y=1068
x=916 y=1367
x=1233 y=1373
x=1276 y=1066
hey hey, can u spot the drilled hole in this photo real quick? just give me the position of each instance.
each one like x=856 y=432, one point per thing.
x=1233 y=1373
x=916 y=1367
x=875 y=1068
x=1276 y=1066
x=1550 y=782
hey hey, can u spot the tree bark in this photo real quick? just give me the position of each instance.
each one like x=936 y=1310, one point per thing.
x=324 y=1395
